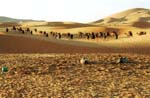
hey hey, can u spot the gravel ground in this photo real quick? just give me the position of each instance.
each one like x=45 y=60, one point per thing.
x=62 y=76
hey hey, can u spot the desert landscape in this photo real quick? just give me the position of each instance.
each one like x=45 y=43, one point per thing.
x=43 y=58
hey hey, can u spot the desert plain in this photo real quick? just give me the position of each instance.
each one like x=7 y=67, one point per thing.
x=41 y=66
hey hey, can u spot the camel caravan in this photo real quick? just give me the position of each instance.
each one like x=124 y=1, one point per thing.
x=80 y=35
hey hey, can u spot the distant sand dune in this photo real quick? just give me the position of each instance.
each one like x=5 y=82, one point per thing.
x=128 y=17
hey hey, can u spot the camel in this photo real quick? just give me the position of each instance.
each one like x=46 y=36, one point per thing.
x=7 y=30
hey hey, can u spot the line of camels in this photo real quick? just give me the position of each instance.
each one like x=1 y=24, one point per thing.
x=81 y=35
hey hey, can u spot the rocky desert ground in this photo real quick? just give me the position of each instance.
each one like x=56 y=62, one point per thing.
x=62 y=76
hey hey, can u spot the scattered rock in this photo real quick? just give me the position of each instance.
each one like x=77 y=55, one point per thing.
x=59 y=77
x=4 y=69
x=84 y=60
x=123 y=60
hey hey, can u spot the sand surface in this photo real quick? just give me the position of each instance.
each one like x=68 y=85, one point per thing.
x=62 y=76
x=16 y=44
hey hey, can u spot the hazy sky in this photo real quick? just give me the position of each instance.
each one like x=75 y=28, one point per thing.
x=67 y=10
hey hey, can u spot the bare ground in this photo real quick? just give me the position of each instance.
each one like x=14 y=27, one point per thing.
x=62 y=76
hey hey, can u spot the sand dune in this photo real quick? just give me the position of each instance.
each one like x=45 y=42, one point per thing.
x=8 y=24
x=14 y=44
x=128 y=17
x=30 y=24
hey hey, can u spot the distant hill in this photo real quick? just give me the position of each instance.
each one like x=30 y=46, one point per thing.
x=67 y=24
x=8 y=19
x=6 y=22
x=138 y=17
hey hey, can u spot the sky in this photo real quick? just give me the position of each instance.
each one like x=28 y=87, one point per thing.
x=67 y=10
